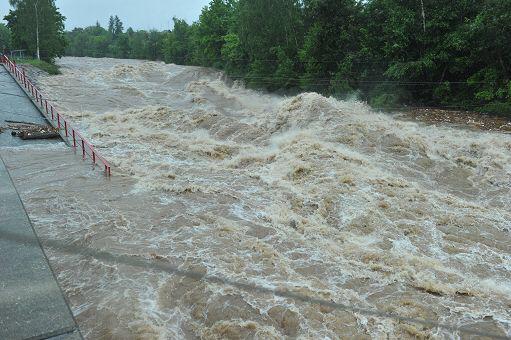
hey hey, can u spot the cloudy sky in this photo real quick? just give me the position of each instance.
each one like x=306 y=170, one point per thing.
x=139 y=14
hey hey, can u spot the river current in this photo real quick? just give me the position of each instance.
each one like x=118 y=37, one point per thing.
x=324 y=198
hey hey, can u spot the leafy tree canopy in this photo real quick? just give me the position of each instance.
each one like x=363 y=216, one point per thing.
x=37 y=20
x=388 y=52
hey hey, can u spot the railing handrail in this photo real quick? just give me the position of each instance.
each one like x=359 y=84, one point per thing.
x=44 y=105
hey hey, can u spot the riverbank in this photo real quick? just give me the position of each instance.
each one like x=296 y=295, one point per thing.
x=465 y=119
x=49 y=68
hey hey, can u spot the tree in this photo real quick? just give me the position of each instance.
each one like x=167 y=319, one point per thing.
x=111 y=25
x=155 y=43
x=489 y=48
x=121 y=47
x=5 y=38
x=269 y=32
x=118 y=26
x=214 y=23
x=388 y=52
x=45 y=36
x=331 y=46
x=138 y=45
x=177 y=45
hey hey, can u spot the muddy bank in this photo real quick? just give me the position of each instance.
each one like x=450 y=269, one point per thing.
x=461 y=119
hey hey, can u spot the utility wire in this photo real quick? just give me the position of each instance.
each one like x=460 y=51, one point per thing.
x=329 y=80
x=404 y=107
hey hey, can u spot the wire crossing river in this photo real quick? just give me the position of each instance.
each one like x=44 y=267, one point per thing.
x=323 y=198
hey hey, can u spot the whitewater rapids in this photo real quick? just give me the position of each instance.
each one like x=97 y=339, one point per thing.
x=326 y=198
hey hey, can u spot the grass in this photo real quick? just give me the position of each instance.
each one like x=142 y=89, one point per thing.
x=40 y=64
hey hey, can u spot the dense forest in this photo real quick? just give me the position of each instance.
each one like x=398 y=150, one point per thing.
x=440 y=53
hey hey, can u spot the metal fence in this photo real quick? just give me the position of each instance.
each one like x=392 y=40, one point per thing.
x=57 y=120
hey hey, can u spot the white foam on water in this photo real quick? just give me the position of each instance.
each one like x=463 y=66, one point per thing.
x=323 y=197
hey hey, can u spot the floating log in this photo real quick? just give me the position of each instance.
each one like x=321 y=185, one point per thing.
x=26 y=135
x=23 y=123
x=23 y=127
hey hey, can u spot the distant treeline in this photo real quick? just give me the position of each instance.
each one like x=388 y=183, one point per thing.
x=389 y=52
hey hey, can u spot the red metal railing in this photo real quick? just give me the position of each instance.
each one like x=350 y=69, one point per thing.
x=70 y=134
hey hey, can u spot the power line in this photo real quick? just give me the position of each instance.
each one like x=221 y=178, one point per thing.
x=375 y=108
x=326 y=81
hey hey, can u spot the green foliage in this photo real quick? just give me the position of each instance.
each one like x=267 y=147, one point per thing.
x=388 y=96
x=233 y=55
x=383 y=51
x=50 y=23
x=212 y=29
x=498 y=108
x=5 y=38
x=177 y=47
x=332 y=41
x=385 y=101
x=95 y=41
x=50 y=68
x=269 y=33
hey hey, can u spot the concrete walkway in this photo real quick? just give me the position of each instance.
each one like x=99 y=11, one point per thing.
x=16 y=106
x=32 y=305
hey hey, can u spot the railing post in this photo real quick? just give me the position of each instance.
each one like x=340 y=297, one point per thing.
x=43 y=104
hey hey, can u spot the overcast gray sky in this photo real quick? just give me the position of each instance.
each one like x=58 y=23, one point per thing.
x=139 y=14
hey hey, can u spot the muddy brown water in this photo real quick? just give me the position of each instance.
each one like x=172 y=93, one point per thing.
x=323 y=197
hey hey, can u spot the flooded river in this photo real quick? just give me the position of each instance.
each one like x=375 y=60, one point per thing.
x=324 y=198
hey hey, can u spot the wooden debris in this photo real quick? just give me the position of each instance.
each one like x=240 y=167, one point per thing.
x=28 y=127
x=25 y=135
x=27 y=131
x=22 y=123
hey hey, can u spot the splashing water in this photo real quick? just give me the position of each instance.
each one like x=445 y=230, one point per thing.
x=323 y=197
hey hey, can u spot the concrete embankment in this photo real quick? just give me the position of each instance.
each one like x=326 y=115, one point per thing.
x=32 y=305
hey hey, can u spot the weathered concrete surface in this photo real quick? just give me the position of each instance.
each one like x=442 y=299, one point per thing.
x=31 y=302
x=69 y=336
x=15 y=105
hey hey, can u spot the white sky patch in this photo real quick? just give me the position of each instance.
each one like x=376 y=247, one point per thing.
x=149 y=14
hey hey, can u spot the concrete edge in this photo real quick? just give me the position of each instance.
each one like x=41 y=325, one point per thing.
x=39 y=108
x=76 y=328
